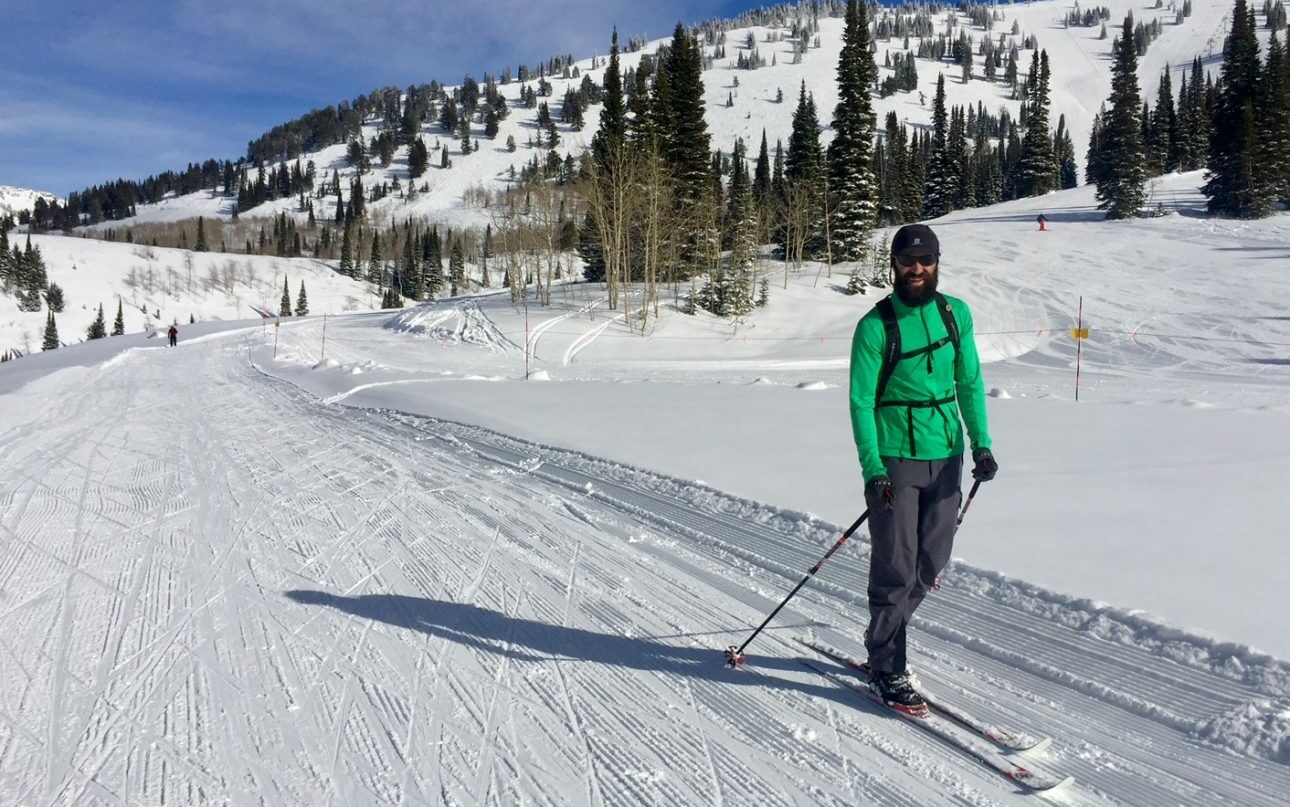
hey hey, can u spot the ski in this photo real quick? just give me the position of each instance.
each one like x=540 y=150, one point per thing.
x=1007 y=740
x=987 y=755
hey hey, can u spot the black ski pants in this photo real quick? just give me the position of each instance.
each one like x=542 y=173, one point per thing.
x=911 y=545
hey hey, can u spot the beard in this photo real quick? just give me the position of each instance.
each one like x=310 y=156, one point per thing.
x=916 y=297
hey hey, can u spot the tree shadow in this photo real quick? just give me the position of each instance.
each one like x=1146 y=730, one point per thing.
x=528 y=640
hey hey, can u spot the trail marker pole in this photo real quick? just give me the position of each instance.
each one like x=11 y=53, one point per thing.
x=1079 y=333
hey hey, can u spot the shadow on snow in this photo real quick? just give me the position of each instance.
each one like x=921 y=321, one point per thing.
x=527 y=640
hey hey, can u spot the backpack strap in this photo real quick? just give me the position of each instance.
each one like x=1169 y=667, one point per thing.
x=891 y=350
x=947 y=316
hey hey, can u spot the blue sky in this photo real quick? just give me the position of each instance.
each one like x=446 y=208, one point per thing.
x=92 y=91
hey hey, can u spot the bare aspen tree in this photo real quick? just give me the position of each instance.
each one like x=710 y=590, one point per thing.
x=657 y=214
x=609 y=194
x=798 y=217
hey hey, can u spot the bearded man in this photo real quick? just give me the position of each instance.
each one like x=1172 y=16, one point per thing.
x=914 y=371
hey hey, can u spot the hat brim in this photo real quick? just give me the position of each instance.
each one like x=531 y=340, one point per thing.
x=915 y=252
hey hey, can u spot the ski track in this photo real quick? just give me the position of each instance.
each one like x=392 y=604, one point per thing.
x=227 y=592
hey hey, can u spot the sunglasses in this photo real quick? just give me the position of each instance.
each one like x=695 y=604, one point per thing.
x=909 y=260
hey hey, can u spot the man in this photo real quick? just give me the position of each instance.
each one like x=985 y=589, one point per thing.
x=173 y=335
x=914 y=368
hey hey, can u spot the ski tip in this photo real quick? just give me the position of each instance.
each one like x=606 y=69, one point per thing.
x=1061 y=783
x=1038 y=782
x=1036 y=746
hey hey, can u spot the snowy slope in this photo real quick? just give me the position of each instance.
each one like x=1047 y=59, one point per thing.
x=159 y=285
x=1081 y=82
x=16 y=200
x=218 y=590
x=1184 y=384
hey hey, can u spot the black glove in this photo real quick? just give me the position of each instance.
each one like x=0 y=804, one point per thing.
x=878 y=494
x=984 y=467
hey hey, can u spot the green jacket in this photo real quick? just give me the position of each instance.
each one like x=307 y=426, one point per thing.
x=885 y=431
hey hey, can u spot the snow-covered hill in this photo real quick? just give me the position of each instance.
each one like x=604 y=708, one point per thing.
x=14 y=201
x=158 y=286
x=1080 y=62
x=1080 y=66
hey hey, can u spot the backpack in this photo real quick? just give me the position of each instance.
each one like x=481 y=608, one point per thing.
x=892 y=355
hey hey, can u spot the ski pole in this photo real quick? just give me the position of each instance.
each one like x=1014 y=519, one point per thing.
x=968 y=503
x=735 y=655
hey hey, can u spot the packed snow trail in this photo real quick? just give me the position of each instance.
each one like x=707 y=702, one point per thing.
x=215 y=589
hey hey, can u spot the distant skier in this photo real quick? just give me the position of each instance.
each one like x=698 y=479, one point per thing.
x=1043 y=221
x=173 y=335
x=914 y=367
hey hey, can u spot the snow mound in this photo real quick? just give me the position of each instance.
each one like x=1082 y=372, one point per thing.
x=1259 y=729
x=539 y=375
x=812 y=385
x=761 y=381
x=327 y=364
x=996 y=392
x=804 y=734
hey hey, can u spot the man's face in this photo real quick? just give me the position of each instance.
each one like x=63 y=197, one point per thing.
x=915 y=278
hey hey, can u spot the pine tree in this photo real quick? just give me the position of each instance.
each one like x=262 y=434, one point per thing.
x=411 y=280
x=850 y=153
x=804 y=166
x=1164 y=125
x=302 y=302
x=1274 y=123
x=347 y=253
x=201 y=235
x=686 y=145
x=957 y=160
x=1180 y=145
x=739 y=288
x=914 y=176
x=1121 y=173
x=284 y=307
x=51 y=334
x=608 y=147
x=1037 y=172
x=940 y=187
x=376 y=263
x=1064 y=150
x=1232 y=182
x=118 y=325
x=761 y=174
x=457 y=269
x=54 y=298
x=855 y=280
x=98 y=328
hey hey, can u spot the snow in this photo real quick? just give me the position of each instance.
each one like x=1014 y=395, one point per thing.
x=177 y=283
x=359 y=559
x=14 y=201
x=1081 y=81
x=1183 y=400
